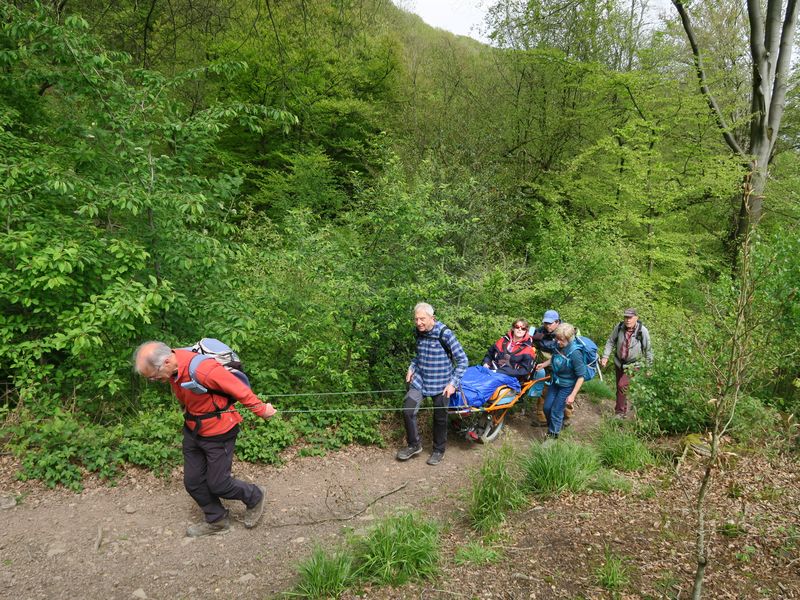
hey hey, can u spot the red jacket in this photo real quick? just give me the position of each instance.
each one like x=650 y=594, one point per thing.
x=511 y=357
x=213 y=376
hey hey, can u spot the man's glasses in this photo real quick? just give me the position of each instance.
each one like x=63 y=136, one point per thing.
x=155 y=376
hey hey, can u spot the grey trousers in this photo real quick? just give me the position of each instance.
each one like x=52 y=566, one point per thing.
x=411 y=405
x=207 y=476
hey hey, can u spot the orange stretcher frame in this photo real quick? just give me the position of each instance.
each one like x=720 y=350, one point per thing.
x=500 y=400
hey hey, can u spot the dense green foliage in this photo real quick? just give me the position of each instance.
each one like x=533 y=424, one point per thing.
x=293 y=181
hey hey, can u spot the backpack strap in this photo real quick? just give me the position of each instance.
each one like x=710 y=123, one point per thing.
x=194 y=385
x=446 y=348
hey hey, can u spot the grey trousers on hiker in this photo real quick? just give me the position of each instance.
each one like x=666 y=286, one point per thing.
x=411 y=405
x=207 y=475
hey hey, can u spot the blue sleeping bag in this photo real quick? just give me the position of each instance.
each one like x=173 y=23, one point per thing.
x=478 y=385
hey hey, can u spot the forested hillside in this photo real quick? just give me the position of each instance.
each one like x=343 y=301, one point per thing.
x=292 y=177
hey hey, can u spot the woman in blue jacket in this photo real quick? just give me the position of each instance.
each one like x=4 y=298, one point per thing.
x=569 y=371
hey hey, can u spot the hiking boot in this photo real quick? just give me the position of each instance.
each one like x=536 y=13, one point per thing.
x=408 y=452
x=215 y=528
x=252 y=515
x=435 y=458
x=536 y=423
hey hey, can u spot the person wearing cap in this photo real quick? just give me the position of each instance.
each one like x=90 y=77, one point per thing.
x=544 y=340
x=630 y=341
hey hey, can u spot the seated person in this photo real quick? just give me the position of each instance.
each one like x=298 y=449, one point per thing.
x=513 y=354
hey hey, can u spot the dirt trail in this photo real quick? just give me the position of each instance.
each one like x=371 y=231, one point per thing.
x=129 y=541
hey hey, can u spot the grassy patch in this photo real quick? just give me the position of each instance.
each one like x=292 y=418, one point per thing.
x=562 y=466
x=621 y=449
x=398 y=550
x=325 y=575
x=476 y=553
x=607 y=481
x=495 y=491
x=612 y=573
x=597 y=390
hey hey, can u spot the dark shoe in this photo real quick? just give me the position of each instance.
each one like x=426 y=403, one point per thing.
x=215 y=528
x=550 y=439
x=252 y=515
x=408 y=452
x=536 y=423
x=435 y=458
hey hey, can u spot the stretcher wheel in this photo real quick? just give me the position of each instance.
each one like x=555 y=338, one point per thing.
x=490 y=424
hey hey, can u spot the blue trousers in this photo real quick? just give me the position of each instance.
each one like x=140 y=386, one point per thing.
x=554 y=407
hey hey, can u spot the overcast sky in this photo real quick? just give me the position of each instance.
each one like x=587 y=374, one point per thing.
x=465 y=17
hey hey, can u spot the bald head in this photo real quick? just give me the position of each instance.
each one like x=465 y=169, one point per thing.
x=155 y=360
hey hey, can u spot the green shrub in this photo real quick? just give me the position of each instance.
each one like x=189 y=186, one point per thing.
x=153 y=439
x=59 y=449
x=495 y=490
x=399 y=549
x=752 y=420
x=562 y=466
x=671 y=398
x=263 y=441
x=325 y=575
x=620 y=449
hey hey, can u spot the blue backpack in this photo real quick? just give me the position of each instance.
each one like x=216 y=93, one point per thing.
x=589 y=349
x=219 y=351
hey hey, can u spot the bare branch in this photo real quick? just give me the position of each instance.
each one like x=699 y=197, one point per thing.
x=780 y=83
x=771 y=35
x=757 y=49
x=701 y=76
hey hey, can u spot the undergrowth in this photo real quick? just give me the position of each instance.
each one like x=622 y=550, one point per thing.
x=397 y=550
x=495 y=490
x=620 y=448
x=562 y=466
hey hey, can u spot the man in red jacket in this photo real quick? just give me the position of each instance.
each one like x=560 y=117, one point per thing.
x=209 y=432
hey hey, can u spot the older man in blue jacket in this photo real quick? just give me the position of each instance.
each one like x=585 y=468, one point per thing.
x=435 y=371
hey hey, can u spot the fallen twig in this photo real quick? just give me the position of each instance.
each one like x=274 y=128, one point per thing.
x=99 y=539
x=353 y=516
x=424 y=593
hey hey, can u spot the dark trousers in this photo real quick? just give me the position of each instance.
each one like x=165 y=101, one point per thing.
x=623 y=381
x=411 y=405
x=207 y=475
